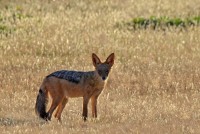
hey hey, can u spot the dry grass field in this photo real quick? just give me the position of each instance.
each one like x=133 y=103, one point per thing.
x=154 y=86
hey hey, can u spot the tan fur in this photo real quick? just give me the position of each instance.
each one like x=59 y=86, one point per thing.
x=89 y=87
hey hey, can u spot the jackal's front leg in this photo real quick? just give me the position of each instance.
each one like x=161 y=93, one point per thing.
x=94 y=106
x=85 y=109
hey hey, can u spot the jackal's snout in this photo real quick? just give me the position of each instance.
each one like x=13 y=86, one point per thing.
x=103 y=78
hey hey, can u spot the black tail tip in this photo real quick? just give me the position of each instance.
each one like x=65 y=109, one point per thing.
x=45 y=116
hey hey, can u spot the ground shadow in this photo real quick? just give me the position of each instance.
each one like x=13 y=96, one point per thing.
x=5 y=121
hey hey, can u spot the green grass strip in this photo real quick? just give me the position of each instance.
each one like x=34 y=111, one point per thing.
x=163 y=22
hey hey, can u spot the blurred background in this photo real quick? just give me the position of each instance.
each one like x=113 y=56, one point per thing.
x=153 y=87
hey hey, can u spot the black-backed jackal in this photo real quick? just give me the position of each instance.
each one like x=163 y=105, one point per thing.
x=65 y=84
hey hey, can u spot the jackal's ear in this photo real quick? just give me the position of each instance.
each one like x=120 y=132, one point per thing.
x=110 y=59
x=95 y=59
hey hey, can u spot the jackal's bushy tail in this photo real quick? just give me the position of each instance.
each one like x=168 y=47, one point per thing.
x=41 y=102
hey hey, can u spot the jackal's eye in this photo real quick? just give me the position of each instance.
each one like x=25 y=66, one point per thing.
x=99 y=71
x=107 y=71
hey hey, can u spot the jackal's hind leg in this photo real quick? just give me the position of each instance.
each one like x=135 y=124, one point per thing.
x=56 y=101
x=60 y=108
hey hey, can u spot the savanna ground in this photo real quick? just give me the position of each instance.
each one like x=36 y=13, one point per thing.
x=155 y=83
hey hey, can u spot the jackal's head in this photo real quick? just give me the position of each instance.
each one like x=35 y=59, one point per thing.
x=103 y=68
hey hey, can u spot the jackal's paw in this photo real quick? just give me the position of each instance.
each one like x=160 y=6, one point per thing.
x=48 y=117
x=84 y=118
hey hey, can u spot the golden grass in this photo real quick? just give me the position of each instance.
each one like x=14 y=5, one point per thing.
x=154 y=85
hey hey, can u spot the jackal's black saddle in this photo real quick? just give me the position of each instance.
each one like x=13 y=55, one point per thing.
x=72 y=76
